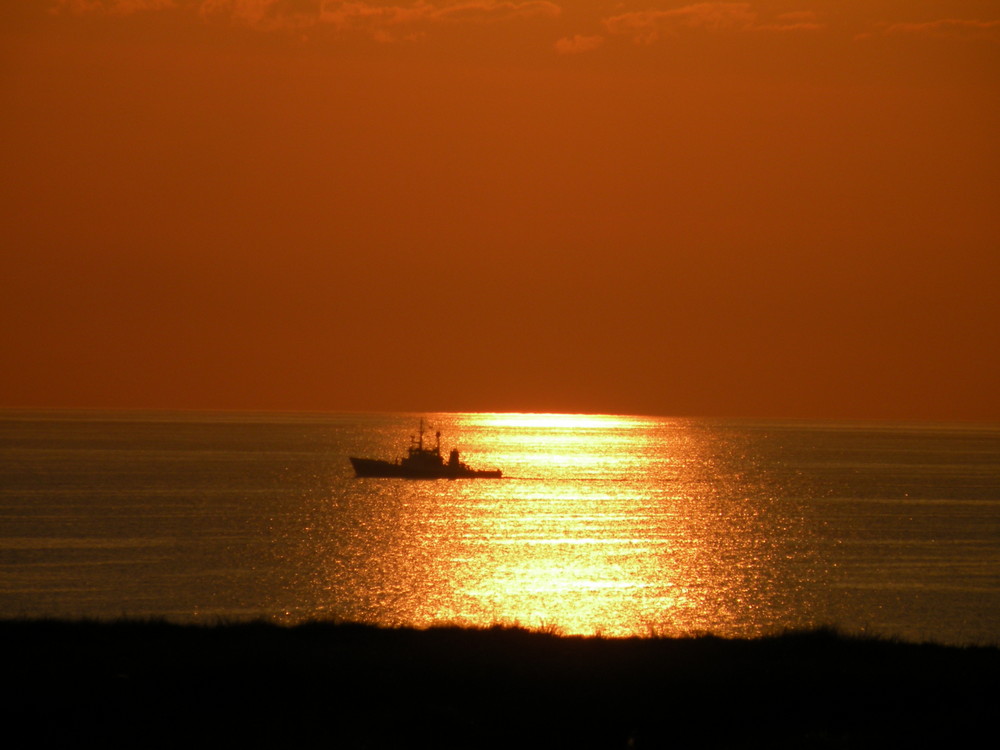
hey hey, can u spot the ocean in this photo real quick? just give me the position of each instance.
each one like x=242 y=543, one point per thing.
x=609 y=525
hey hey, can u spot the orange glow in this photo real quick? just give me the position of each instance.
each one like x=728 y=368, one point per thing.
x=724 y=208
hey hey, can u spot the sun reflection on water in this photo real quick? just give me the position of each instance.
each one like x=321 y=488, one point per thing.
x=611 y=525
x=574 y=422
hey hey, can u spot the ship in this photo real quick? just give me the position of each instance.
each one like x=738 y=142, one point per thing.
x=422 y=463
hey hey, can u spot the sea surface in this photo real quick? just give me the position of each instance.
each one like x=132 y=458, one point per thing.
x=606 y=525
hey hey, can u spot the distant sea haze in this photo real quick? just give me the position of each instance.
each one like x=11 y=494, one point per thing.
x=601 y=524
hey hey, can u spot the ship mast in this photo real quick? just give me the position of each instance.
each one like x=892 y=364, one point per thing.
x=417 y=445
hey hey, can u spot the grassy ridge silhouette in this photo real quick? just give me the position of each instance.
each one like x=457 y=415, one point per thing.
x=153 y=683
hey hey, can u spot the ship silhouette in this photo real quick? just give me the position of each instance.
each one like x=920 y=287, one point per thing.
x=422 y=463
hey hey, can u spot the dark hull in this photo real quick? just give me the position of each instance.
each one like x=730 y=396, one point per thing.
x=373 y=467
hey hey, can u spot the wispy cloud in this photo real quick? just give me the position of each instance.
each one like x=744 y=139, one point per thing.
x=578 y=43
x=489 y=10
x=803 y=20
x=398 y=20
x=388 y=23
x=112 y=7
x=947 y=27
x=368 y=15
x=373 y=17
x=649 y=26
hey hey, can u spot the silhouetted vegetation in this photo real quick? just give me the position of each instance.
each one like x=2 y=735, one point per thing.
x=152 y=683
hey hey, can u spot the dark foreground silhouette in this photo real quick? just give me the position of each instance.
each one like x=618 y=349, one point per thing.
x=145 y=684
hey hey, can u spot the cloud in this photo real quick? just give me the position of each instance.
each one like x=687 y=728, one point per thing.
x=947 y=28
x=112 y=7
x=803 y=20
x=392 y=22
x=368 y=15
x=263 y=14
x=649 y=26
x=578 y=43
x=489 y=11
x=381 y=21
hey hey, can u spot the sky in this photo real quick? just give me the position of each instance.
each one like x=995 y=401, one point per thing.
x=735 y=209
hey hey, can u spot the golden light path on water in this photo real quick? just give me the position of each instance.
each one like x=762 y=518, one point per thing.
x=570 y=550
x=601 y=524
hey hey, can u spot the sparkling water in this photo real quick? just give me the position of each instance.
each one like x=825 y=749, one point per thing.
x=601 y=524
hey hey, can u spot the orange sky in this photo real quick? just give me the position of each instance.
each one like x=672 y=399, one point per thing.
x=738 y=209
